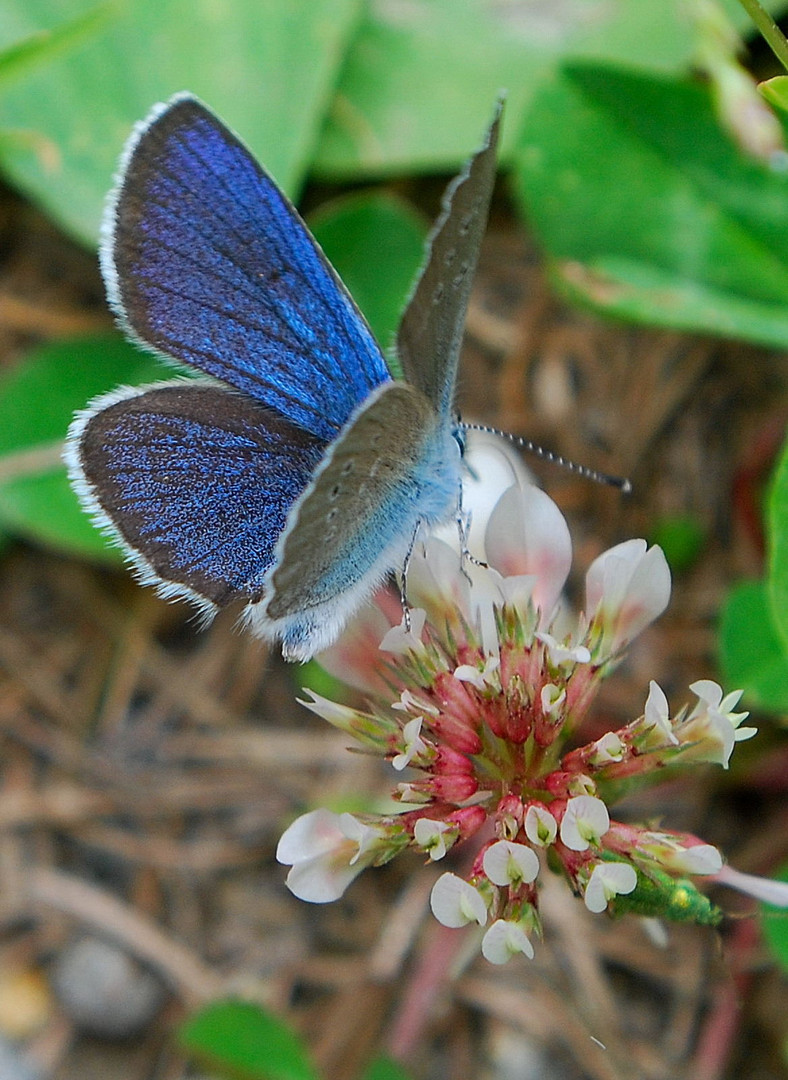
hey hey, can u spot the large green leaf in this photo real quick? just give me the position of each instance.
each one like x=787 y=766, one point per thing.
x=245 y=1041
x=37 y=401
x=420 y=80
x=649 y=211
x=267 y=69
x=376 y=242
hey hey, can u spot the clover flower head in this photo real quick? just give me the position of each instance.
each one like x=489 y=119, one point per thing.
x=472 y=698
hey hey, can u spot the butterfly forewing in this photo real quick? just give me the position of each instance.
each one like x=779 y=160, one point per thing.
x=208 y=262
x=195 y=481
x=430 y=332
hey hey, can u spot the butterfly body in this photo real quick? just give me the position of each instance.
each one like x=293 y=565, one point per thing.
x=295 y=474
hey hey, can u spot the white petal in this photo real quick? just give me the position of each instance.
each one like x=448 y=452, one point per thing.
x=456 y=903
x=506 y=863
x=413 y=743
x=310 y=835
x=699 y=859
x=627 y=588
x=491 y=467
x=541 y=828
x=318 y=882
x=708 y=692
x=403 y=639
x=503 y=941
x=528 y=534
x=585 y=820
x=429 y=835
x=606 y=881
x=608 y=748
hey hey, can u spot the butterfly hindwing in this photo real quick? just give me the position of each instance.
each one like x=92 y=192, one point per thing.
x=207 y=261
x=431 y=328
x=394 y=467
x=195 y=481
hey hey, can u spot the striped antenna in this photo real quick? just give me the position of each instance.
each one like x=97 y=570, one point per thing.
x=619 y=482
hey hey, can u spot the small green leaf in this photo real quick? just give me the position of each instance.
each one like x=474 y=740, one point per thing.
x=376 y=243
x=37 y=401
x=246 y=1042
x=648 y=210
x=752 y=654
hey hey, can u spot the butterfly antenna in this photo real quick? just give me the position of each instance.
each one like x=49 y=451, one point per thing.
x=619 y=482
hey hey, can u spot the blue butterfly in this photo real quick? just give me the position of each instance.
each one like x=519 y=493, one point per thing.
x=295 y=475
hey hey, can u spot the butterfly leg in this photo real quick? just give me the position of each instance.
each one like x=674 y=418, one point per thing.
x=403 y=584
x=464 y=520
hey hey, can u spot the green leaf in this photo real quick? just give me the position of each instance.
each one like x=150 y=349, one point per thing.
x=267 y=69
x=37 y=401
x=752 y=654
x=376 y=243
x=777 y=517
x=420 y=80
x=38 y=48
x=245 y=1042
x=647 y=209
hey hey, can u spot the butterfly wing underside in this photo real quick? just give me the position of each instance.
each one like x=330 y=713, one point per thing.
x=394 y=465
x=430 y=332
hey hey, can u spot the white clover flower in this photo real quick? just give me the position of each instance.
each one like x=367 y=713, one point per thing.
x=506 y=863
x=559 y=654
x=540 y=826
x=627 y=588
x=584 y=823
x=408 y=702
x=482 y=680
x=456 y=903
x=406 y=637
x=657 y=713
x=608 y=748
x=340 y=716
x=552 y=698
x=607 y=880
x=413 y=742
x=430 y=836
x=698 y=859
x=712 y=725
x=504 y=940
x=495 y=762
x=527 y=536
x=325 y=851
